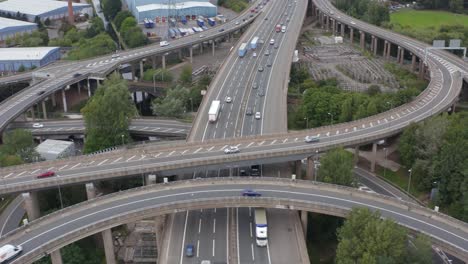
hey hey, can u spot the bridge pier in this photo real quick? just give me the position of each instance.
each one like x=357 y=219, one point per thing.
x=413 y=63
x=56 y=257
x=32 y=113
x=374 y=154
x=356 y=155
x=402 y=54
x=398 y=54
x=376 y=45
x=108 y=246
x=191 y=54
x=213 y=47
x=304 y=222
x=333 y=26
x=54 y=102
x=163 y=61
x=385 y=47
x=142 y=69
x=89 y=88
x=421 y=69
x=351 y=35
x=90 y=191
x=342 y=29
x=310 y=173
x=44 y=110
x=132 y=67
x=31 y=205
x=64 y=100
x=150 y=179
x=363 y=39
x=153 y=62
x=298 y=166
x=389 y=49
x=327 y=23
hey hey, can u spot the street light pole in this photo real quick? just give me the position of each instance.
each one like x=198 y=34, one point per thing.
x=331 y=118
x=123 y=142
x=154 y=84
x=60 y=197
x=191 y=103
x=307 y=122
x=409 y=179
x=315 y=164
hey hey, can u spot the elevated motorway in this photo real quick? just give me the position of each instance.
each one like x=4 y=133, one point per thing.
x=142 y=127
x=57 y=77
x=73 y=223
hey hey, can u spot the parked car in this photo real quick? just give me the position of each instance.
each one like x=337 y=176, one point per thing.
x=311 y=139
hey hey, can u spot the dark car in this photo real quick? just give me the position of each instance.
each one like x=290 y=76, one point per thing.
x=76 y=75
x=46 y=174
x=221 y=30
x=40 y=92
x=242 y=172
x=249 y=111
x=189 y=250
x=251 y=193
x=260 y=92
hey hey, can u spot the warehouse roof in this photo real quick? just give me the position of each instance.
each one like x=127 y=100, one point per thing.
x=53 y=146
x=177 y=6
x=16 y=54
x=6 y=23
x=35 y=7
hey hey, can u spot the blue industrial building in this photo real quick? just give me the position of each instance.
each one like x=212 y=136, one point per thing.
x=11 y=59
x=152 y=9
x=42 y=8
x=11 y=27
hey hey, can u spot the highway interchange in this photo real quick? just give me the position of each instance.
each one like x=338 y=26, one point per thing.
x=442 y=91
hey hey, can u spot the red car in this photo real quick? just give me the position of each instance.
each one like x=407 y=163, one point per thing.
x=46 y=174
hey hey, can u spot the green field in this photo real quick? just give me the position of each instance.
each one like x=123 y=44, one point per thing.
x=426 y=18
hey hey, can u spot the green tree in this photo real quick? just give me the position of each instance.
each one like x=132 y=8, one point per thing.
x=159 y=75
x=128 y=23
x=406 y=145
x=10 y=160
x=186 y=75
x=365 y=238
x=174 y=104
x=420 y=252
x=120 y=17
x=337 y=167
x=77 y=254
x=19 y=142
x=134 y=37
x=96 y=27
x=108 y=114
x=87 y=48
x=111 y=8
x=456 y=6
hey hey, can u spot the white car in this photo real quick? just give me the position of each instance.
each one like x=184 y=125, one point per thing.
x=311 y=139
x=272 y=41
x=114 y=56
x=254 y=54
x=8 y=252
x=37 y=125
x=258 y=115
x=163 y=43
x=202 y=36
x=231 y=150
x=228 y=99
x=366 y=189
x=237 y=23
x=352 y=22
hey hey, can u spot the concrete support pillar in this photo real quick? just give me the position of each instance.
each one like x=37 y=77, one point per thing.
x=191 y=54
x=356 y=155
x=54 y=102
x=421 y=69
x=181 y=57
x=64 y=101
x=351 y=35
x=304 y=220
x=413 y=63
x=201 y=48
x=132 y=66
x=389 y=49
x=402 y=54
x=327 y=23
x=56 y=257
x=372 y=43
x=159 y=222
x=163 y=61
x=153 y=62
x=90 y=191
x=342 y=29
x=31 y=205
x=33 y=115
x=79 y=89
x=44 y=110
x=213 y=47
x=376 y=45
x=333 y=26
x=373 y=156
x=310 y=169
x=298 y=169
x=363 y=39
x=150 y=179
x=398 y=56
x=108 y=246
x=385 y=49
x=142 y=69
x=89 y=87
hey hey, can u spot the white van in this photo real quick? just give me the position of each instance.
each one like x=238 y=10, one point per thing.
x=8 y=252
x=283 y=29
x=163 y=43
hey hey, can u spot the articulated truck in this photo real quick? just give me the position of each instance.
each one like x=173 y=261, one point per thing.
x=213 y=112
x=261 y=227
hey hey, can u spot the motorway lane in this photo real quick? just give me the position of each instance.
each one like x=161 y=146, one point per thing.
x=154 y=196
x=12 y=215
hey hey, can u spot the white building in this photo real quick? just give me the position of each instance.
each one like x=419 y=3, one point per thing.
x=12 y=27
x=41 y=8
x=52 y=149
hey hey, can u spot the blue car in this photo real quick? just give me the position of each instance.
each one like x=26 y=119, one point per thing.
x=251 y=193
x=189 y=250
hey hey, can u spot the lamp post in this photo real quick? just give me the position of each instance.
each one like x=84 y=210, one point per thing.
x=191 y=103
x=409 y=179
x=307 y=122
x=385 y=166
x=331 y=118
x=391 y=105
x=315 y=164
x=122 y=136
x=60 y=197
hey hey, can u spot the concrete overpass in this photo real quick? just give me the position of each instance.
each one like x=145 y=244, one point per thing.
x=63 y=227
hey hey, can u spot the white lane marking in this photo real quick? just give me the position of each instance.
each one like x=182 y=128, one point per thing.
x=76 y=165
x=296 y=139
x=273 y=142
x=251 y=229
x=199 y=225
x=22 y=173
x=183 y=238
x=142 y=157
x=198 y=248
x=225 y=146
x=268 y=252
x=172 y=152
x=284 y=141
x=102 y=162
x=129 y=159
x=63 y=167
x=214 y=225
x=8 y=175
x=214 y=245
x=32 y=172
x=210 y=148
x=253 y=255
x=159 y=154
x=261 y=143
x=116 y=160
x=196 y=151
x=183 y=152
x=250 y=144
x=237 y=228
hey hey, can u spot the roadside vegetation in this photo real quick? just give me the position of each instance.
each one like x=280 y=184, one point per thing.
x=235 y=5
x=314 y=104
x=437 y=150
x=374 y=12
x=129 y=30
x=18 y=147
x=107 y=115
x=80 y=252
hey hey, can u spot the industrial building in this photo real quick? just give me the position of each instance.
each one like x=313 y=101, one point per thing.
x=11 y=27
x=153 y=9
x=52 y=149
x=42 y=8
x=11 y=59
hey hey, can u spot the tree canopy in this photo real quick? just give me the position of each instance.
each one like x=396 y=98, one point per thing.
x=108 y=114
x=173 y=104
x=337 y=167
x=111 y=8
x=371 y=11
x=18 y=147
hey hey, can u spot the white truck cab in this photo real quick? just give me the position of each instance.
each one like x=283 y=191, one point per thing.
x=8 y=252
